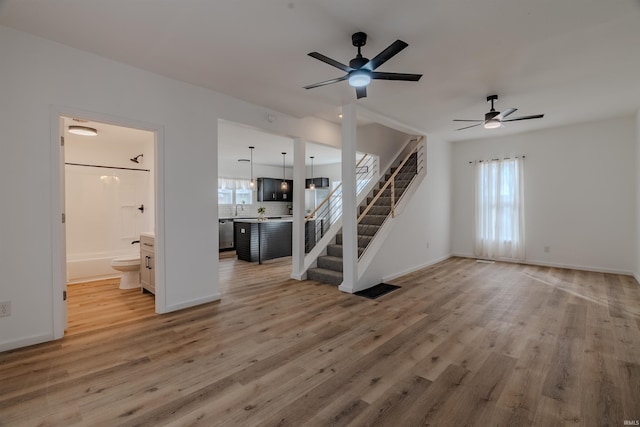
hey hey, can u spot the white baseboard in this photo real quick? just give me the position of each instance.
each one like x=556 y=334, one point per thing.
x=558 y=265
x=349 y=290
x=192 y=303
x=24 y=342
x=416 y=268
x=94 y=279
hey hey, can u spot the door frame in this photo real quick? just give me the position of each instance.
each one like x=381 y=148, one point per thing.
x=58 y=237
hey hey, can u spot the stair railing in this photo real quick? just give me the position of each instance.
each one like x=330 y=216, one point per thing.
x=329 y=210
x=391 y=183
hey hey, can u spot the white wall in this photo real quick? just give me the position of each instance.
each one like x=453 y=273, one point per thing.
x=637 y=213
x=383 y=141
x=241 y=170
x=332 y=171
x=39 y=77
x=420 y=235
x=579 y=193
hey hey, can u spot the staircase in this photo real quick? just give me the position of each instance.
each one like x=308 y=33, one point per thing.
x=373 y=213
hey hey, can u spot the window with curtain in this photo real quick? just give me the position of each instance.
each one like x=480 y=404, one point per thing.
x=232 y=191
x=500 y=209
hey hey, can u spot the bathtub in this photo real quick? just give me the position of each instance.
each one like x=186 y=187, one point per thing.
x=93 y=266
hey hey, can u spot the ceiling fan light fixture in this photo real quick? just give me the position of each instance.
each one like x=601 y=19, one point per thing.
x=83 y=130
x=492 y=124
x=359 y=78
x=493 y=119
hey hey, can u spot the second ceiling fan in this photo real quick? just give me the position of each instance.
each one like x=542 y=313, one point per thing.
x=361 y=70
x=494 y=119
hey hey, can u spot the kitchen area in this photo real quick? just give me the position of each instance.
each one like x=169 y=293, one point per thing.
x=255 y=192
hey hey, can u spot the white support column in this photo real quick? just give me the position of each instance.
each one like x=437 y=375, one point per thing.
x=299 y=174
x=349 y=203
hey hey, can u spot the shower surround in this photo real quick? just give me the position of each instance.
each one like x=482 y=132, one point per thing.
x=106 y=208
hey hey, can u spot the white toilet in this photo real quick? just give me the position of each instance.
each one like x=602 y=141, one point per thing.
x=130 y=267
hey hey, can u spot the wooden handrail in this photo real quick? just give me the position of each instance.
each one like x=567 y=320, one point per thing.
x=391 y=181
x=326 y=199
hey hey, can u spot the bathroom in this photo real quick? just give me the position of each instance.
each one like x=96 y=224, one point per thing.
x=109 y=200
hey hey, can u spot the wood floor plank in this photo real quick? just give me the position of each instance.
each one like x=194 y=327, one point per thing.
x=394 y=403
x=436 y=396
x=523 y=388
x=460 y=343
x=474 y=401
x=629 y=389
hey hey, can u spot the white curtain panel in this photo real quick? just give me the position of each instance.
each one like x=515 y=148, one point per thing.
x=500 y=209
x=225 y=183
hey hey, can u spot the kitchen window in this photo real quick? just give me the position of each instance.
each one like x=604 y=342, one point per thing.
x=232 y=191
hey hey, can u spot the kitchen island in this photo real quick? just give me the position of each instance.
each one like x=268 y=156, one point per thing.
x=258 y=241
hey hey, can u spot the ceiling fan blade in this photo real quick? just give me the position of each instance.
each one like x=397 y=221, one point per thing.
x=396 y=76
x=467 y=127
x=361 y=92
x=385 y=55
x=535 y=116
x=505 y=113
x=330 y=61
x=462 y=120
x=328 y=82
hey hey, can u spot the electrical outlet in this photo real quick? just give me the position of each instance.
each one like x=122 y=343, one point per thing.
x=5 y=308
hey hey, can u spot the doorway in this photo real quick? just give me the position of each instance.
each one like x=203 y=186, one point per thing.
x=108 y=197
x=253 y=167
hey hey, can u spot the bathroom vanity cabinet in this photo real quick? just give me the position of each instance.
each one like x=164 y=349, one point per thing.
x=147 y=263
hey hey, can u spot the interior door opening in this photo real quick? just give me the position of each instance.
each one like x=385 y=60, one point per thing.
x=109 y=202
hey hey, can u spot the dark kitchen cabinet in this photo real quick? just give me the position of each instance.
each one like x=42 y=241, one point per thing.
x=267 y=189
x=262 y=240
x=270 y=190
x=287 y=195
x=319 y=182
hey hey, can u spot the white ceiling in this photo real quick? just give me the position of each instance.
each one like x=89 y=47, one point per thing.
x=234 y=141
x=108 y=133
x=574 y=60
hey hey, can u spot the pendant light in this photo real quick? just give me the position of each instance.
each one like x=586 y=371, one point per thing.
x=252 y=183
x=284 y=186
x=312 y=186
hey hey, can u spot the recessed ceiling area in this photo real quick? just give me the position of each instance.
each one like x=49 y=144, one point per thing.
x=113 y=134
x=574 y=60
x=234 y=141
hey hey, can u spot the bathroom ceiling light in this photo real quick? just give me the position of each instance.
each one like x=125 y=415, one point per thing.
x=284 y=186
x=83 y=130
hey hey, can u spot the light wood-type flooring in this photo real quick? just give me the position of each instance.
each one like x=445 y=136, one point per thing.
x=461 y=343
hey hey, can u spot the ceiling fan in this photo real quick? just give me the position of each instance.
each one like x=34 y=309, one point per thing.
x=494 y=119
x=361 y=70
